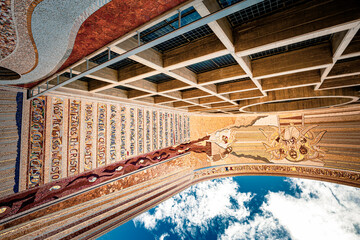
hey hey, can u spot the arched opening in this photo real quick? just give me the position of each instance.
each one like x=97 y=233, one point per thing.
x=250 y=207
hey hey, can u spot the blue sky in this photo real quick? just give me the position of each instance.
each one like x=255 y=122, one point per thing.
x=254 y=207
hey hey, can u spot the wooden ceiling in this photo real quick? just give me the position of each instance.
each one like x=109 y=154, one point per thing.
x=302 y=55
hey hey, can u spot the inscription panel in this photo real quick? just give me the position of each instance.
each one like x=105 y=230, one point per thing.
x=112 y=144
x=185 y=128
x=166 y=129
x=172 y=137
x=56 y=142
x=176 y=128
x=147 y=124
x=188 y=127
x=161 y=130
x=154 y=130
x=180 y=129
x=123 y=133
x=140 y=131
x=89 y=135
x=36 y=143
x=101 y=135
x=74 y=137
x=132 y=131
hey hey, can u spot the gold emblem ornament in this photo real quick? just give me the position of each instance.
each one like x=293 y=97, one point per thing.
x=294 y=143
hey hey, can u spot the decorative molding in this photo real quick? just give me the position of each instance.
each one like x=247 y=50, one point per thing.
x=316 y=173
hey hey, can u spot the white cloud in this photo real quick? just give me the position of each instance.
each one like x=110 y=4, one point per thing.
x=319 y=211
x=193 y=209
x=162 y=237
x=261 y=227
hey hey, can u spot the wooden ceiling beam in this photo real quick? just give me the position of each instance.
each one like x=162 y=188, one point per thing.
x=241 y=86
x=135 y=72
x=221 y=105
x=115 y=92
x=300 y=79
x=143 y=84
x=353 y=49
x=339 y=41
x=341 y=82
x=294 y=94
x=79 y=85
x=344 y=69
x=96 y=86
x=300 y=23
x=212 y=99
x=149 y=57
x=221 y=75
x=204 y=49
x=105 y=74
x=195 y=93
x=223 y=31
x=148 y=99
x=134 y=94
x=173 y=85
x=179 y=72
x=130 y=74
x=196 y=108
x=162 y=99
x=314 y=57
x=246 y=95
x=184 y=77
x=152 y=60
x=221 y=27
x=180 y=104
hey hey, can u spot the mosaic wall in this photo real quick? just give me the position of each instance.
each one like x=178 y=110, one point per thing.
x=84 y=135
